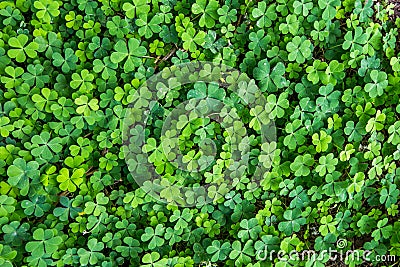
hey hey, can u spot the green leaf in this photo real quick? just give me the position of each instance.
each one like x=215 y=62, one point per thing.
x=327 y=164
x=132 y=52
x=191 y=39
x=70 y=183
x=68 y=62
x=321 y=141
x=21 y=172
x=302 y=7
x=137 y=8
x=46 y=242
x=389 y=195
x=219 y=252
x=293 y=222
x=270 y=80
x=301 y=165
x=93 y=255
x=21 y=49
x=208 y=11
x=242 y=255
x=44 y=147
x=7 y=205
x=154 y=236
x=299 y=49
x=378 y=85
x=47 y=9
x=357 y=183
x=329 y=7
x=147 y=28
x=264 y=15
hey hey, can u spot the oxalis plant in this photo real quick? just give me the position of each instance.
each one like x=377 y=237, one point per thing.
x=324 y=72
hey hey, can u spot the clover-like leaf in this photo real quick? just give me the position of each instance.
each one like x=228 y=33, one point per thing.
x=378 y=85
x=270 y=80
x=20 y=48
x=46 y=242
x=293 y=221
x=20 y=173
x=208 y=11
x=132 y=52
x=68 y=182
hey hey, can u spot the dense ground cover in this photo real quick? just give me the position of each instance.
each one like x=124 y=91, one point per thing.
x=328 y=71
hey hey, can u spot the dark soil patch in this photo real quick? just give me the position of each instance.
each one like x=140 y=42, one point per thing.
x=396 y=8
